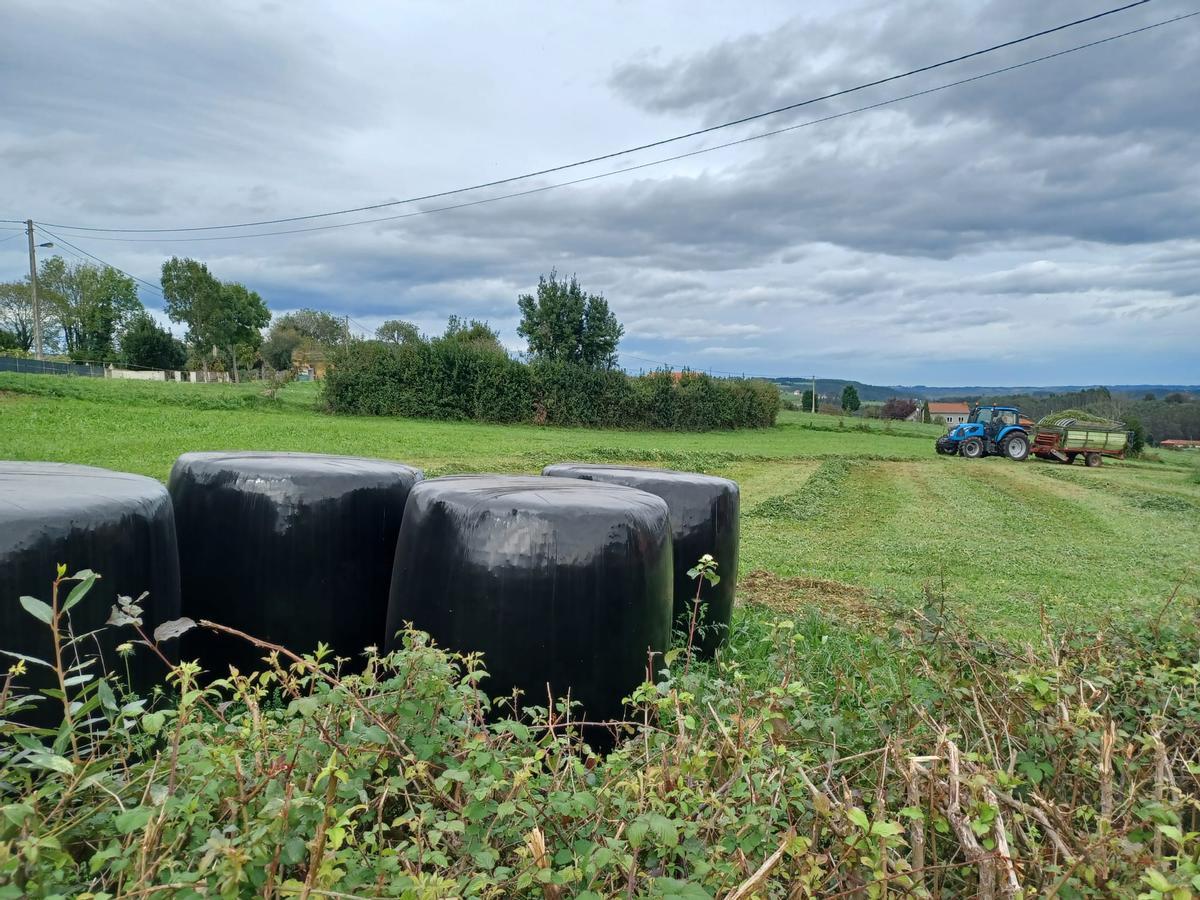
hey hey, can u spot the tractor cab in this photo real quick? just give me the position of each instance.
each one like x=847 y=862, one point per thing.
x=994 y=418
x=989 y=430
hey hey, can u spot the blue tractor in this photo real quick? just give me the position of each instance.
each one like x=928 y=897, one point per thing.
x=990 y=430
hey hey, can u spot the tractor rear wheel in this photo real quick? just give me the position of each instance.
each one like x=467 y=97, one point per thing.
x=1016 y=447
x=971 y=448
x=1092 y=460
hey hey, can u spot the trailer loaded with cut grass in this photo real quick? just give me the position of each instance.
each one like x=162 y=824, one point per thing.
x=1065 y=436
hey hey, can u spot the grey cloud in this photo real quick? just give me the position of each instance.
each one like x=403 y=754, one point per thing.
x=869 y=247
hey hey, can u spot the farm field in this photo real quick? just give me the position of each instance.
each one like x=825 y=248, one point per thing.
x=833 y=511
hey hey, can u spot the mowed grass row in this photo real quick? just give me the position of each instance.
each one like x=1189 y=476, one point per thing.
x=1002 y=540
x=873 y=509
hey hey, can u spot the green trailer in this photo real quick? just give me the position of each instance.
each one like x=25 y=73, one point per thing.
x=1064 y=437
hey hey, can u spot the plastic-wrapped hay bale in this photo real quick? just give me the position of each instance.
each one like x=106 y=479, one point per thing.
x=118 y=525
x=294 y=548
x=559 y=583
x=704 y=519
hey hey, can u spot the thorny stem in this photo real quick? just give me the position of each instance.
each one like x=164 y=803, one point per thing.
x=692 y=626
x=58 y=668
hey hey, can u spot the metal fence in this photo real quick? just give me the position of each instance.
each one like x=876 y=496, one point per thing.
x=45 y=367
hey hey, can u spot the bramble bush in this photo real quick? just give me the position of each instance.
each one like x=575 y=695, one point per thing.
x=808 y=760
x=445 y=379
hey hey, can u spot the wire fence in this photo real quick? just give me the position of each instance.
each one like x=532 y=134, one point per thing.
x=47 y=367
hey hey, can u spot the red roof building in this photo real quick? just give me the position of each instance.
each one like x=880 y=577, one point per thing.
x=950 y=413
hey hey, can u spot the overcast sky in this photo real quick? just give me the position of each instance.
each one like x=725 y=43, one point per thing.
x=1037 y=227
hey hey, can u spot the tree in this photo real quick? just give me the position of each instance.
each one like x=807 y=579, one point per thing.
x=1137 y=436
x=898 y=408
x=147 y=345
x=8 y=340
x=279 y=346
x=217 y=313
x=806 y=401
x=91 y=304
x=473 y=333
x=850 y=401
x=320 y=327
x=398 y=331
x=563 y=323
x=16 y=317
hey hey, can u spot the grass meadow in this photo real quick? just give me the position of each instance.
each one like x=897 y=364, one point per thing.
x=834 y=510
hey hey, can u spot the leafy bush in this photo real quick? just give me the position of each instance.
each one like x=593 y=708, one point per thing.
x=809 y=761
x=450 y=379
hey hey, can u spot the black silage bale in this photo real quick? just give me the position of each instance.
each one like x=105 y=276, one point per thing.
x=704 y=519
x=560 y=584
x=118 y=525
x=294 y=548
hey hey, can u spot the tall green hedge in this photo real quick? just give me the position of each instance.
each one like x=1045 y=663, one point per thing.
x=442 y=379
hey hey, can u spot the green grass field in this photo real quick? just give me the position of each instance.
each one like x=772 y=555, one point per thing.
x=832 y=509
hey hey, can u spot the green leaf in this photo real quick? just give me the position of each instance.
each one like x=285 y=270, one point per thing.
x=32 y=659
x=1172 y=832
x=17 y=813
x=88 y=578
x=859 y=818
x=107 y=698
x=133 y=819
x=886 y=829
x=664 y=829
x=294 y=850
x=37 y=609
x=636 y=834
x=53 y=761
x=173 y=629
x=152 y=722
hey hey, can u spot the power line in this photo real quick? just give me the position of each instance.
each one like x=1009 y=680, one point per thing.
x=618 y=153
x=656 y=162
x=102 y=262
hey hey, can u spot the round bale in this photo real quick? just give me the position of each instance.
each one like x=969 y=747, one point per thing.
x=116 y=524
x=704 y=519
x=293 y=548
x=563 y=586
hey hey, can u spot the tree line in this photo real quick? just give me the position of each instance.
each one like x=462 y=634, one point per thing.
x=569 y=375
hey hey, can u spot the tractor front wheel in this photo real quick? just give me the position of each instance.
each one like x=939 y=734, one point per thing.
x=1016 y=447
x=1092 y=460
x=971 y=448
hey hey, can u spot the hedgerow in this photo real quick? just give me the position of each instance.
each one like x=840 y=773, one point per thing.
x=923 y=761
x=442 y=379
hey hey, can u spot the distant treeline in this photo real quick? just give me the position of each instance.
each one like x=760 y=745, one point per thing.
x=450 y=379
x=1176 y=415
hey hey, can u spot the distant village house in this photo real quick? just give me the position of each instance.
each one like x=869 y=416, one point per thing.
x=950 y=413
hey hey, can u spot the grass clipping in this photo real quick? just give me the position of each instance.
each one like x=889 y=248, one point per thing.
x=1079 y=417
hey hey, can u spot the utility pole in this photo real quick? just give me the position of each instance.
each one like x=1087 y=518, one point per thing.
x=814 y=393
x=37 y=309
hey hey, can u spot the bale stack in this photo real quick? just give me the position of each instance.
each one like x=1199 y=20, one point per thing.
x=294 y=548
x=116 y=524
x=704 y=519
x=564 y=586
